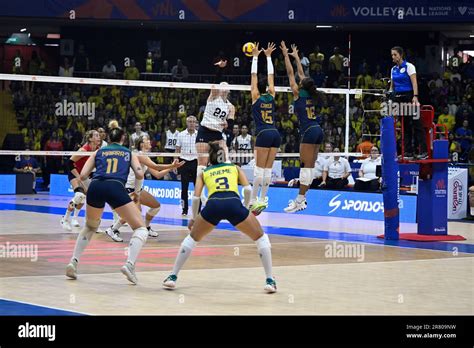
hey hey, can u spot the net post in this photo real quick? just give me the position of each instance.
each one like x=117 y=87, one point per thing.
x=391 y=179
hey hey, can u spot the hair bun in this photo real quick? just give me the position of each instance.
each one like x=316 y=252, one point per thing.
x=113 y=124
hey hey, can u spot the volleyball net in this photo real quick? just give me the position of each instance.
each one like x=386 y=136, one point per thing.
x=49 y=116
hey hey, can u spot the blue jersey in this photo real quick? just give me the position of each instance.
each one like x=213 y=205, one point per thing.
x=113 y=162
x=401 y=77
x=304 y=110
x=263 y=112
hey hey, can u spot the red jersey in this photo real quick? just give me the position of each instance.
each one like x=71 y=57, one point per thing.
x=79 y=164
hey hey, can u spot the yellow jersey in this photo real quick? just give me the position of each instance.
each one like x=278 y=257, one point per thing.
x=222 y=177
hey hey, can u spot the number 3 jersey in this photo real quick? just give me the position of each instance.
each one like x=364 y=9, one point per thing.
x=222 y=177
x=215 y=114
x=112 y=162
x=304 y=110
x=263 y=112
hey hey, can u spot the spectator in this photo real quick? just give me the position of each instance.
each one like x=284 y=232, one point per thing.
x=138 y=133
x=368 y=179
x=464 y=136
x=131 y=72
x=156 y=60
x=81 y=61
x=65 y=70
x=291 y=146
x=336 y=64
x=28 y=164
x=149 y=63
x=454 y=147
x=316 y=59
x=366 y=146
x=109 y=70
x=34 y=64
x=165 y=68
x=468 y=70
x=319 y=77
x=53 y=163
x=179 y=72
x=336 y=172
x=447 y=119
x=364 y=80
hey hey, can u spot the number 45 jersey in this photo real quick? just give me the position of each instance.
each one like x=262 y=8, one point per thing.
x=223 y=177
x=112 y=162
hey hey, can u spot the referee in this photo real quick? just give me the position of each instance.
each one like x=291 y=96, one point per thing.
x=186 y=147
x=404 y=89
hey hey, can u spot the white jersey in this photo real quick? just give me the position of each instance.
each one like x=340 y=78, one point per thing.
x=244 y=144
x=131 y=175
x=215 y=114
x=171 y=139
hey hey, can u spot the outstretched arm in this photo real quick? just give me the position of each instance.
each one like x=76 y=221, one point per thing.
x=270 y=69
x=299 y=66
x=289 y=69
x=254 y=79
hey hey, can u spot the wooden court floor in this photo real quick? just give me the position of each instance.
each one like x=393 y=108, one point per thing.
x=320 y=274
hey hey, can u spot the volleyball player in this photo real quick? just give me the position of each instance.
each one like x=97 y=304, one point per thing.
x=221 y=179
x=171 y=137
x=91 y=142
x=112 y=164
x=310 y=132
x=268 y=138
x=142 y=145
x=218 y=114
x=243 y=144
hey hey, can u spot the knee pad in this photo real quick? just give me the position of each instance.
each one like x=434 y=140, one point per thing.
x=153 y=211
x=90 y=228
x=79 y=198
x=258 y=172
x=267 y=173
x=141 y=233
x=263 y=242
x=306 y=176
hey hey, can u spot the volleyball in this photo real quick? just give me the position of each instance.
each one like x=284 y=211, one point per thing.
x=248 y=48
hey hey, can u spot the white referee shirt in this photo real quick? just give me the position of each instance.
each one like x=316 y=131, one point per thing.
x=319 y=166
x=336 y=169
x=187 y=142
x=369 y=167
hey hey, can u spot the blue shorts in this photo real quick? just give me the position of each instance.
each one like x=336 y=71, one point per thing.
x=224 y=206
x=112 y=192
x=269 y=137
x=206 y=135
x=312 y=135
